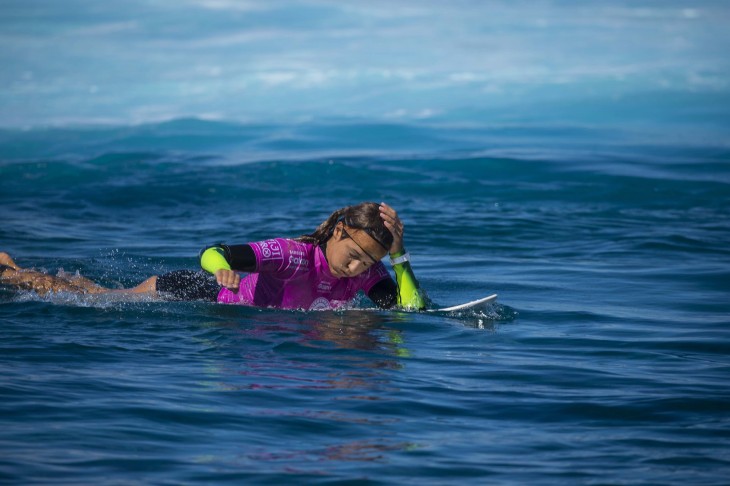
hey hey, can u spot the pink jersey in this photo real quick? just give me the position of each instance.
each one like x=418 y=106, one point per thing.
x=294 y=275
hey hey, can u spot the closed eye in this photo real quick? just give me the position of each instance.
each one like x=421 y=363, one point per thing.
x=359 y=258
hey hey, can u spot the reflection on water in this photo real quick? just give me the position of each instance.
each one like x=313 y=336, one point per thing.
x=346 y=451
x=285 y=350
x=309 y=374
x=354 y=329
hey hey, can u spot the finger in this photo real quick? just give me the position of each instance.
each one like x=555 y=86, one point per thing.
x=385 y=209
x=229 y=283
x=396 y=225
x=391 y=218
x=393 y=228
x=225 y=278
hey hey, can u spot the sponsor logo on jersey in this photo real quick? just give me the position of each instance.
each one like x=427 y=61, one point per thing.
x=320 y=303
x=299 y=261
x=270 y=249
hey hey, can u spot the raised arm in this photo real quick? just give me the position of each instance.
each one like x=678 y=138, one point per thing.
x=407 y=291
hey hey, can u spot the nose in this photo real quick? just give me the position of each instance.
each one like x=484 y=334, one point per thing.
x=353 y=268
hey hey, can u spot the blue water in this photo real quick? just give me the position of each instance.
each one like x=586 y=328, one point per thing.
x=572 y=158
x=606 y=360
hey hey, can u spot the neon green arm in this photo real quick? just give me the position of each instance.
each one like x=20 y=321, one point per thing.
x=409 y=294
x=213 y=259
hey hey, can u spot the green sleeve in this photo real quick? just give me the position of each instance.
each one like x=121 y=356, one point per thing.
x=213 y=259
x=409 y=294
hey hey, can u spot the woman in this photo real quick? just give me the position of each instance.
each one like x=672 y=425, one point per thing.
x=322 y=270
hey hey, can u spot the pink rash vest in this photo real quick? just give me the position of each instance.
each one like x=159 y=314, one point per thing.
x=294 y=275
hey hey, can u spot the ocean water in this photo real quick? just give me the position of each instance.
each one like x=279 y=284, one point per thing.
x=604 y=362
x=571 y=158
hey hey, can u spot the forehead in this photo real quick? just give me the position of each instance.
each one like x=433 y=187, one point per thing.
x=363 y=242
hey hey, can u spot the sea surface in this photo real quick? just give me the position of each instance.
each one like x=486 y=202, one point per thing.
x=572 y=157
x=605 y=361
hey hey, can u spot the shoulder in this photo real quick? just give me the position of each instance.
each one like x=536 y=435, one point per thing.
x=374 y=274
x=294 y=247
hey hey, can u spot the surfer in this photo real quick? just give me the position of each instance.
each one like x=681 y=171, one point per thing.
x=321 y=270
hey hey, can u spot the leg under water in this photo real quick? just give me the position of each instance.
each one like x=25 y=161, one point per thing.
x=42 y=283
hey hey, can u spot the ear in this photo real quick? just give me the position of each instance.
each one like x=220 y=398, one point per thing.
x=337 y=233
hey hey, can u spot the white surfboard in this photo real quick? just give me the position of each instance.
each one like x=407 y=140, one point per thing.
x=474 y=304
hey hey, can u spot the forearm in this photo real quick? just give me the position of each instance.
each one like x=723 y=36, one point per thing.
x=409 y=294
x=225 y=257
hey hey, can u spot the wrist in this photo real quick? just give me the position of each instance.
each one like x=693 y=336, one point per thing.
x=400 y=259
x=398 y=253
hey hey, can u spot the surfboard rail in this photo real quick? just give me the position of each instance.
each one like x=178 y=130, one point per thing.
x=468 y=305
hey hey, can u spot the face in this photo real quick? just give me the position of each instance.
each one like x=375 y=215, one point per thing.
x=348 y=257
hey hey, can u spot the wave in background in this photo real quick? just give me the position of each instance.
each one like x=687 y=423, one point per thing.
x=138 y=62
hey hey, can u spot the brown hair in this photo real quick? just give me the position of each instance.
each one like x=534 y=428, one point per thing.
x=364 y=216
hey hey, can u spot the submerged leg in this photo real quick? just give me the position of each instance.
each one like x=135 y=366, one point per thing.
x=7 y=261
x=149 y=286
x=42 y=283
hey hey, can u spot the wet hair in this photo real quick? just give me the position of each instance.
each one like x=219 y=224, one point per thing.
x=364 y=216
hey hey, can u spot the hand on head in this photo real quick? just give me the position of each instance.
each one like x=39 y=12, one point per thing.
x=394 y=225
